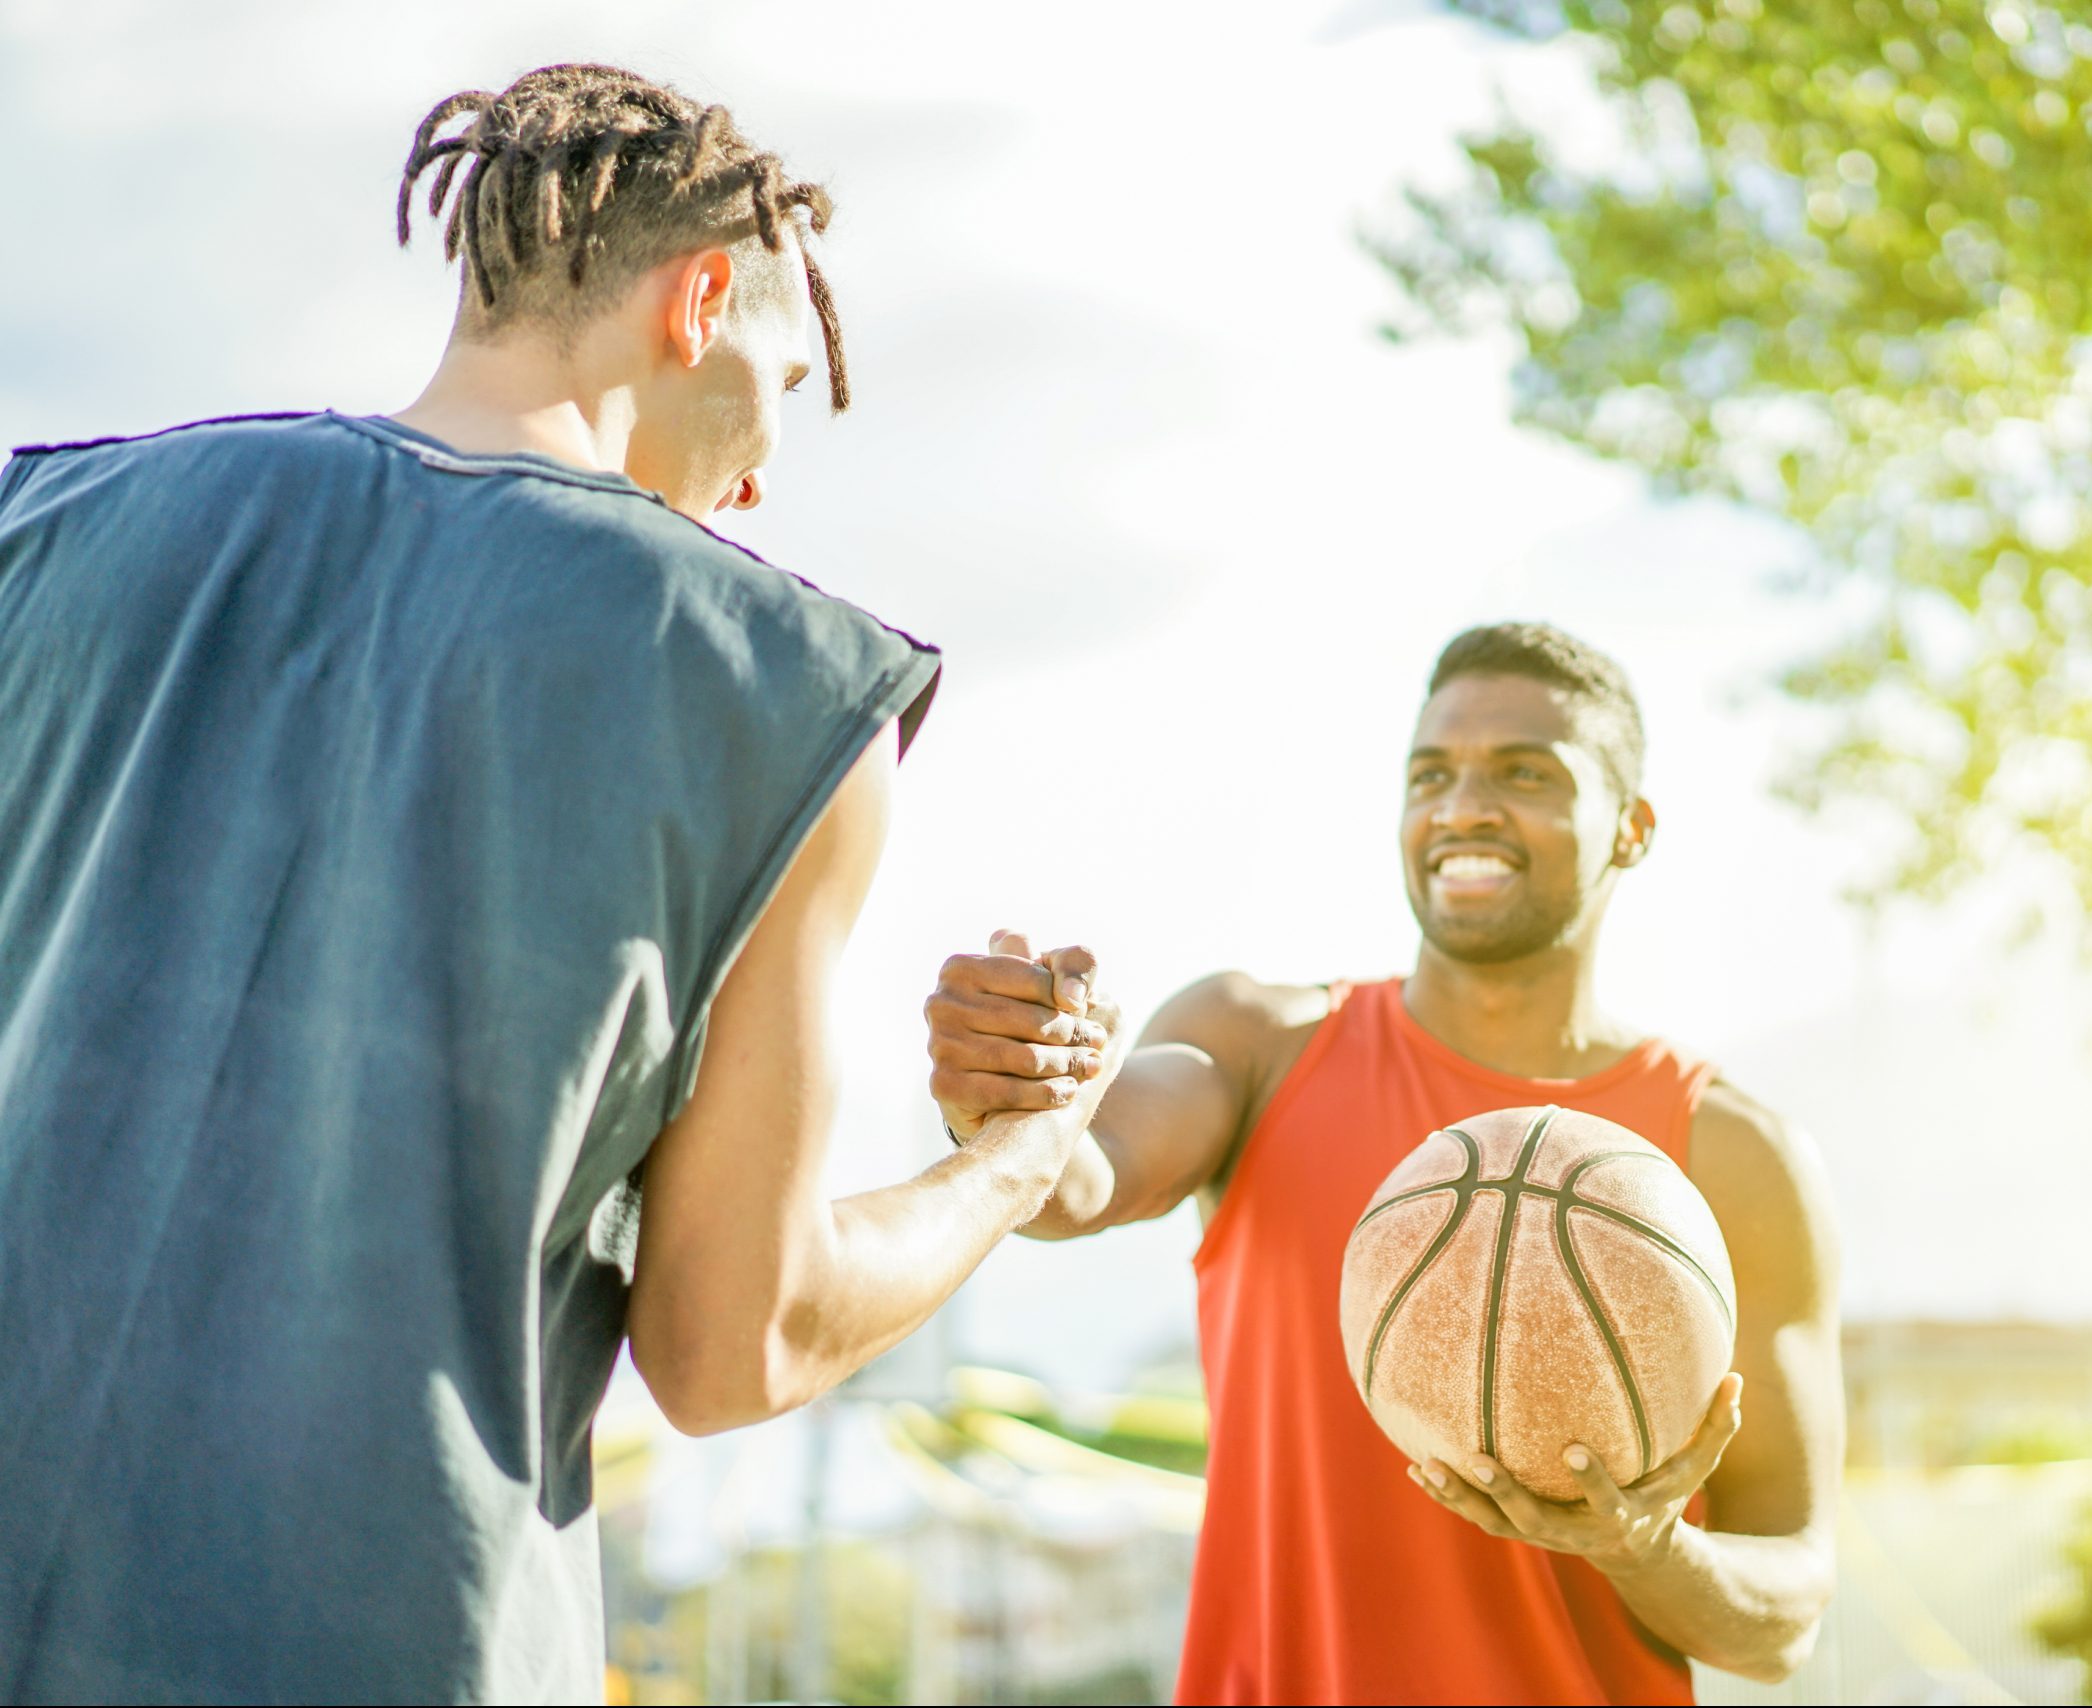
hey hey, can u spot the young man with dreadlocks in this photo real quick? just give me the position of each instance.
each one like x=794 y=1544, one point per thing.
x=421 y=841
x=1330 y=1569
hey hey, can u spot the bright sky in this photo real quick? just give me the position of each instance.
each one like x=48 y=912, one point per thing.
x=1127 y=447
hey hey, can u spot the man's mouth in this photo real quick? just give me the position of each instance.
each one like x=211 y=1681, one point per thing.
x=1471 y=872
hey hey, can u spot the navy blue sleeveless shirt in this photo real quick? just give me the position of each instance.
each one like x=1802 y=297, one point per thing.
x=376 y=825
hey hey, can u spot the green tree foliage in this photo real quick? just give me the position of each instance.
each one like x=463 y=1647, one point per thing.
x=2066 y=1627
x=1833 y=262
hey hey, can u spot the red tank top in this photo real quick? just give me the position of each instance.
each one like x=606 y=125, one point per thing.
x=1323 y=1574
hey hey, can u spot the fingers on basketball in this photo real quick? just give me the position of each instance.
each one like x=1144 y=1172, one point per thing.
x=1528 y=1513
x=1458 y=1496
x=1600 y=1492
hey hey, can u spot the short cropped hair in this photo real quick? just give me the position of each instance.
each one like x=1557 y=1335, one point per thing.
x=1542 y=653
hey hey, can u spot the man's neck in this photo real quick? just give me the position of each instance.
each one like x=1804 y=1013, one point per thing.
x=492 y=399
x=1537 y=1017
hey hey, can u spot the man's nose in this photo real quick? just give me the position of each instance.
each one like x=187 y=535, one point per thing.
x=1468 y=804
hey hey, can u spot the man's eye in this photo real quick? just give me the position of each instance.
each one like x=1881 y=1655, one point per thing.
x=1423 y=779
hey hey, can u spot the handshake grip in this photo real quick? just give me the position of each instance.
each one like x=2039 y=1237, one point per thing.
x=1014 y=1032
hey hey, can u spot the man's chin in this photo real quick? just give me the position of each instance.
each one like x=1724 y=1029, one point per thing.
x=1488 y=943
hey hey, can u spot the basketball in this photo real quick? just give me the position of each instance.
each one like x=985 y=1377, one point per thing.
x=1531 y=1278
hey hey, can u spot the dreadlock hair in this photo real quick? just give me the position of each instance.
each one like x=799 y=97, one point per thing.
x=578 y=179
x=1542 y=653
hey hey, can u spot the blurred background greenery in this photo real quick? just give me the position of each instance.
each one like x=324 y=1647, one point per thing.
x=1826 y=259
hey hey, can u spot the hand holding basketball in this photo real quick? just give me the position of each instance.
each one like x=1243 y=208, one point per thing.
x=1618 y=1530
x=1011 y=1030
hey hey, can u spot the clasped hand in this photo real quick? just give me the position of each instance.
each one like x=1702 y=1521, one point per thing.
x=1620 y=1531
x=1011 y=1030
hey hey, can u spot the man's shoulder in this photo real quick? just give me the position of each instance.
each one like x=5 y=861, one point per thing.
x=211 y=428
x=588 y=563
x=1764 y=1177
x=689 y=588
x=1734 y=1131
x=168 y=457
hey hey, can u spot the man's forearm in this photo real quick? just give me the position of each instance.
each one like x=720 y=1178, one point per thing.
x=758 y=1323
x=1081 y=1199
x=899 y=1252
x=1746 y=1604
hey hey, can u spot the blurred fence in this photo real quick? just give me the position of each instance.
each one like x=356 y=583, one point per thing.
x=987 y=1551
x=1939 y=1575
x=883 y=1551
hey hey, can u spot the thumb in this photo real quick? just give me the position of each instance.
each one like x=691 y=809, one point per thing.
x=1074 y=972
x=1010 y=943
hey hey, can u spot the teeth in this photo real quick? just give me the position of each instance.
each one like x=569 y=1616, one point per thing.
x=1463 y=866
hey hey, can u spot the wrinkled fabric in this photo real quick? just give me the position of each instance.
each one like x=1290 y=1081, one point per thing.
x=376 y=825
x=1322 y=1573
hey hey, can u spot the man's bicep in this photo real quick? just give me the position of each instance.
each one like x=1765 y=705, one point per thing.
x=1172 y=1118
x=746 y=1151
x=1166 y=1126
x=1780 y=1475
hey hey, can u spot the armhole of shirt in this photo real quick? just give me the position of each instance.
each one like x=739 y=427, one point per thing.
x=1343 y=998
x=1698 y=1078
x=912 y=715
x=904 y=689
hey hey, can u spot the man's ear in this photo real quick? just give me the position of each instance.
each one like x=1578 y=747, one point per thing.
x=1636 y=835
x=696 y=301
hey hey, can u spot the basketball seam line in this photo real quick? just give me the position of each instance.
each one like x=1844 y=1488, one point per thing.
x=1565 y=1247
x=1463 y=1187
x=1663 y=1242
x=1500 y=1262
x=1409 y=1197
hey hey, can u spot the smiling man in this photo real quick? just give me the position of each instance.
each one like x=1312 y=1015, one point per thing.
x=1329 y=1569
